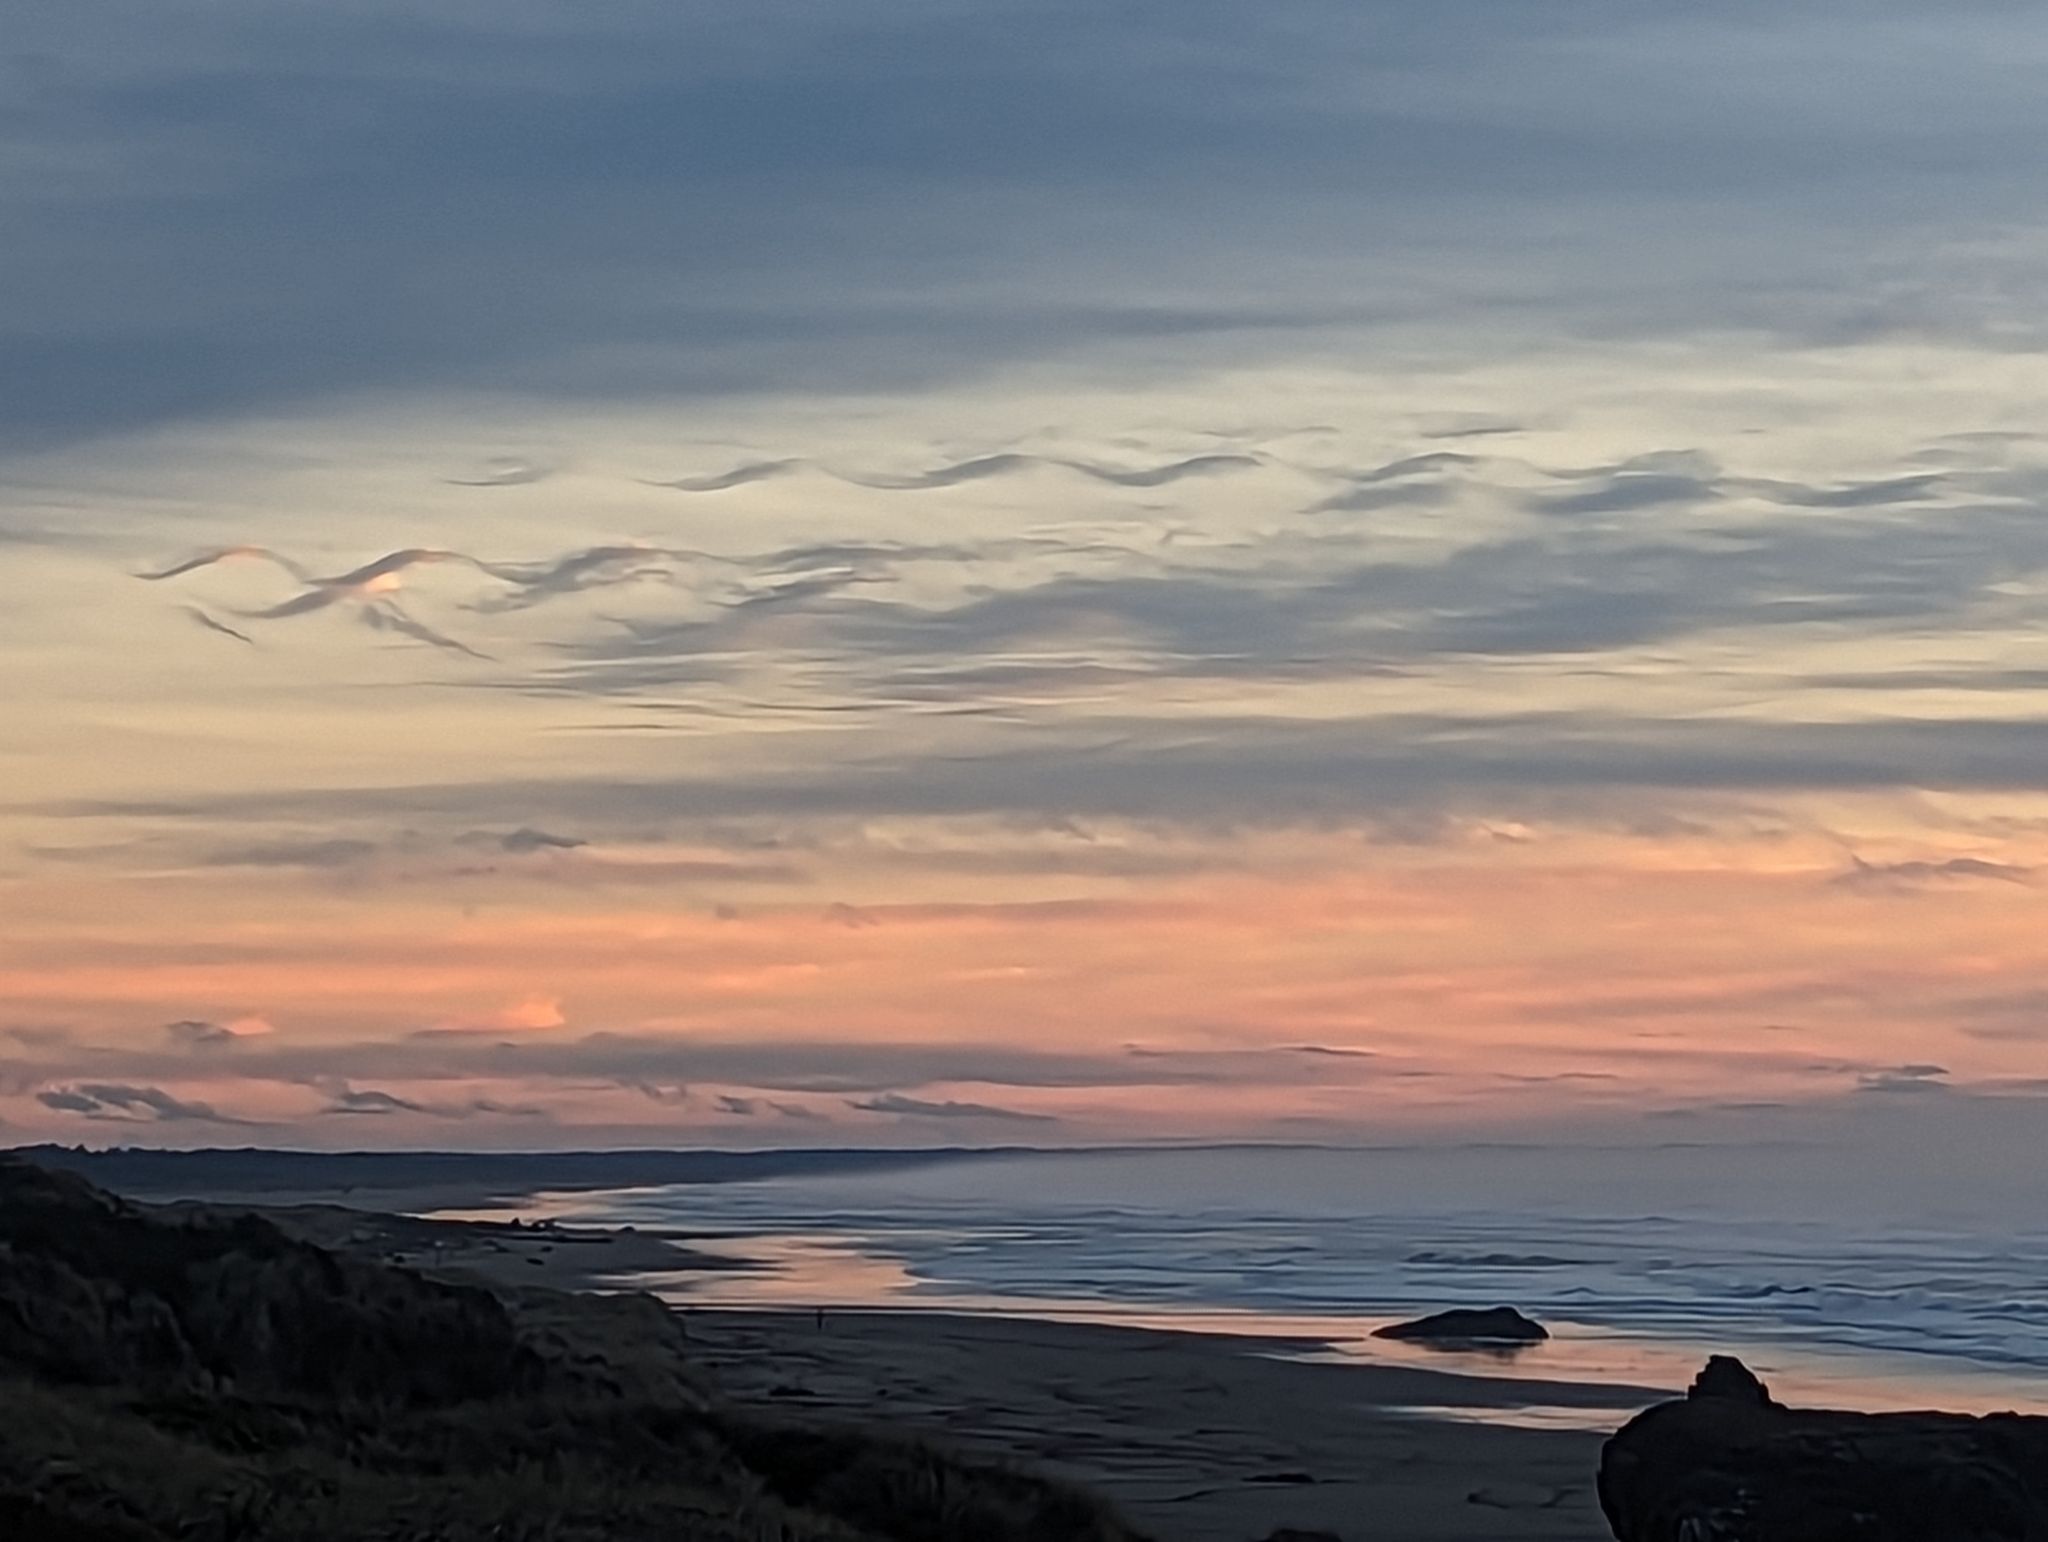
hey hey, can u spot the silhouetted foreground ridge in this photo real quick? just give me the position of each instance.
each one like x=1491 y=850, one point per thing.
x=1728 y=1464
x=209 y=1378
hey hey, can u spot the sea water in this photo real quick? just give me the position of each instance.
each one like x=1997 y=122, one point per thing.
x=1640 y=1262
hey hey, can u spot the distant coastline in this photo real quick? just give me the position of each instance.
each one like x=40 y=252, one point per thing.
x=416 y=1180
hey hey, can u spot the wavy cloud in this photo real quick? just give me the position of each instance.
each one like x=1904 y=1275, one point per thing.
x=201 y=619
x=979 y=469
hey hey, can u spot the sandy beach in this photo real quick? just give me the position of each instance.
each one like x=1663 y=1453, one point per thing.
x=1199 y=1437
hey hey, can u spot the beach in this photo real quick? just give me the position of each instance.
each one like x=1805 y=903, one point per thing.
x=1191 y=1335
x=1196 y=1436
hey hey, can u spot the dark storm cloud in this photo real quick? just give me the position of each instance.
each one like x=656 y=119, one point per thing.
x=260 y=205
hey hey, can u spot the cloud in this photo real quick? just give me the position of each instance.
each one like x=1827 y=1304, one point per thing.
x=530 y=1012
x=758 y=1108
x=738 y=476
x=1244 y=771
x=202 y=619
x=950 y=623
x=368 y=586
x=1325 y=603
x=220 y=554
x=534 y=1013
x=1912 y=1079
x=593 y=567
x=526 y=839
x=658 y=1092
x=922 y=1108
x=118 y=1101
x=373 y=1102
x=981 y=468
x=387 y=617
x=880 y=171
x=334 y=853
x=1919 y=874
x=664 y=1067
x=37 y=1035
x=506 y=472
x=194 y=1033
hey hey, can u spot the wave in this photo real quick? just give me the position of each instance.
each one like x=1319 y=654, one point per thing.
x=1954 y=1301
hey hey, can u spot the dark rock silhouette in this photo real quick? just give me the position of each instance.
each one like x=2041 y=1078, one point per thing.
x=1497 y=1324
x=1728 y=1464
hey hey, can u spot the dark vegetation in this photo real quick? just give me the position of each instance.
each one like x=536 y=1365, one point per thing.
x=209 y=1378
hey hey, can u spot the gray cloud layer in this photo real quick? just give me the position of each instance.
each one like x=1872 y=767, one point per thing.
x=260 y=205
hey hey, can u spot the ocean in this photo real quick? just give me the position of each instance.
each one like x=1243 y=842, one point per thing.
x=1641 y=1263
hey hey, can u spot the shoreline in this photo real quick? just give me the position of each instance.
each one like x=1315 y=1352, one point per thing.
x=1196 y=1435
x=755 y=1267
x=1199 y=1434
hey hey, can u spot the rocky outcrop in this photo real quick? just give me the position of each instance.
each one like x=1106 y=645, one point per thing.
x=1728 y=1463
x=1466 y=1325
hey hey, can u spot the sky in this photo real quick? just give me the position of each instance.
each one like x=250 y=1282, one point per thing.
x=970 y=571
